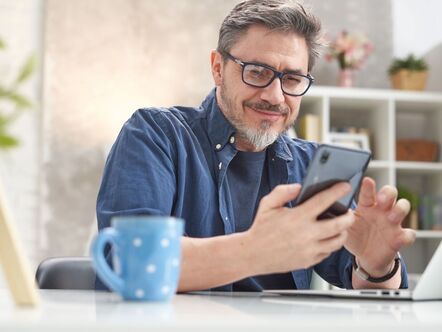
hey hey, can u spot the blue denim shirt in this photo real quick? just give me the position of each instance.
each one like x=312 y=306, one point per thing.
x=173 y=161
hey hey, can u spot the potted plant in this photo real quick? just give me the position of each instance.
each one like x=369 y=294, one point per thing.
x=410 y=73
x=412 y=219
x=12 y=102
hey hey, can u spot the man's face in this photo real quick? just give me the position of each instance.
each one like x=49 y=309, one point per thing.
x=259 y=114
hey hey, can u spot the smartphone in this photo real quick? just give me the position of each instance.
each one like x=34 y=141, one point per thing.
x=332 y=164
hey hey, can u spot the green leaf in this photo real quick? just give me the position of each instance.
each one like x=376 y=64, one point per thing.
x=2 y=44
x=19 y=100
x=3 y=122
x=7 y=141
x=411 y=62
x=27 y=69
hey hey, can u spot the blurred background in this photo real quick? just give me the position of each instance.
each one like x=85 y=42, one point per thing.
x=98 y=61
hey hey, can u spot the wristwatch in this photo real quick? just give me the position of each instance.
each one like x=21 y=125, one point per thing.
x=361 y=273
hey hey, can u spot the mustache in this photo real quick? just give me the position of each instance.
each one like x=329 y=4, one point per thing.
x=264 y=106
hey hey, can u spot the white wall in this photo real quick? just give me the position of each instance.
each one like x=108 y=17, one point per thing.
x=417 y=28
x=21 y=29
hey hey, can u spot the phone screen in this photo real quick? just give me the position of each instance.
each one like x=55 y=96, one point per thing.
x=330 y=165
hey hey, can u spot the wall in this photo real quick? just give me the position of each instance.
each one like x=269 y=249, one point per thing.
x=372 y=18
x=21 y=29
x=417 y=29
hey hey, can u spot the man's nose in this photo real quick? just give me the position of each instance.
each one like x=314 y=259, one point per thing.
x=273 y=93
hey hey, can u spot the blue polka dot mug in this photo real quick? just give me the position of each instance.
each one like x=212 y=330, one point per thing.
x=146 y=256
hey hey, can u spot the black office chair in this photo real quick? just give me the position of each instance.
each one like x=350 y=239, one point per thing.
x=66 y=273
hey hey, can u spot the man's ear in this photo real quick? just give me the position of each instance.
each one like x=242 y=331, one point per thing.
x=217 y=64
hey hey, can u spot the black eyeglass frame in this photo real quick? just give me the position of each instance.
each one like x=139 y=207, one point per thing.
x=276 y=74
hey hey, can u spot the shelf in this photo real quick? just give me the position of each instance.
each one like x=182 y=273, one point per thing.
x=429 y=234
x=415 y=166
x=389 y=115
x=407 y=166
x=380 y=94
x=379 y=164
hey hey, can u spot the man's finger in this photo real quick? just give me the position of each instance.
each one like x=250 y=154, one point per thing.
x=399 y=211
x=386 y=197
x=323 y=200
x=332 y=244
x=407 y=237
x=329 y=228
x=367 y=194
x=279 y=196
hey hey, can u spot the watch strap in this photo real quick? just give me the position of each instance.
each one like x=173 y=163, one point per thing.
x=365 y=276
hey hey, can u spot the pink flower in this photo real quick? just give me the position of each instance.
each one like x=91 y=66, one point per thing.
x=351 y=50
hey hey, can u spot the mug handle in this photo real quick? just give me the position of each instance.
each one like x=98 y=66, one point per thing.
x=107 y=275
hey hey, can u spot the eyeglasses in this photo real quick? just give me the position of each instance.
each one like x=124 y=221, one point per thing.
x=260 y=76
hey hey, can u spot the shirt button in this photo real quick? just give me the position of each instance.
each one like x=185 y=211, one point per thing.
x=232 y=140
x=218 y=146
x=220 y=165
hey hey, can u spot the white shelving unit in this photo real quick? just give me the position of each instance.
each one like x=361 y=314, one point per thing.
x=388 y=115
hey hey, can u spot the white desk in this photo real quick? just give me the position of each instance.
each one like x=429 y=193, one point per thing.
x=89 y=311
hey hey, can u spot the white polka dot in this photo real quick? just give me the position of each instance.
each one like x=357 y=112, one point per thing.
x=164 y=243
x=175 y=262
x=151 y=268
x=137 y=242
x=165 y=289
x=139 y=293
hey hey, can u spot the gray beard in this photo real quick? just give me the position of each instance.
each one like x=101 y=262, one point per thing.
x=259 y=138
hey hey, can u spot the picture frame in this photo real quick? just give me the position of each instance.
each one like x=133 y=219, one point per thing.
x=350 y=140
x=19 y=278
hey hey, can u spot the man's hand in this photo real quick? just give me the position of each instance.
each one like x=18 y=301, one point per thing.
x=377 y=234
x=283 y=239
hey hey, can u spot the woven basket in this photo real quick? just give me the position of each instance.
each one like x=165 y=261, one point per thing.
x=409 y=80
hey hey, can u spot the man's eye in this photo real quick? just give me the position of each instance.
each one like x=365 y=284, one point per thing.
x=292 y=80
x=256 y=71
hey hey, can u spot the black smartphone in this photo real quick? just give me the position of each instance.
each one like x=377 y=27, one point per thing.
x=332 y=164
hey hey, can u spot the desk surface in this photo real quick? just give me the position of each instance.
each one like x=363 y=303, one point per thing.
x=89 y=311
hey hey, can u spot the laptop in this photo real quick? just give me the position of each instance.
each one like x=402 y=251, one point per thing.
x=15 y=264
x=429 y=287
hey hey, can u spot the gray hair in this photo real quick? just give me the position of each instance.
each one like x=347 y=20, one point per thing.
x=278 y=15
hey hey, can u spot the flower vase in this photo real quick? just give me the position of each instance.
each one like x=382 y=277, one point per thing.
x=345 y=78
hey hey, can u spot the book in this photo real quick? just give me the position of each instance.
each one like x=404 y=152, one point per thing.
x=310 y=127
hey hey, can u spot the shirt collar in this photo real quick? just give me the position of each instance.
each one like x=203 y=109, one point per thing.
x=219 y=128
x=221 y=131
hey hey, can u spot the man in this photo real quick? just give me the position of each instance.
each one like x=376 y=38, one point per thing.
x=229 y=170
